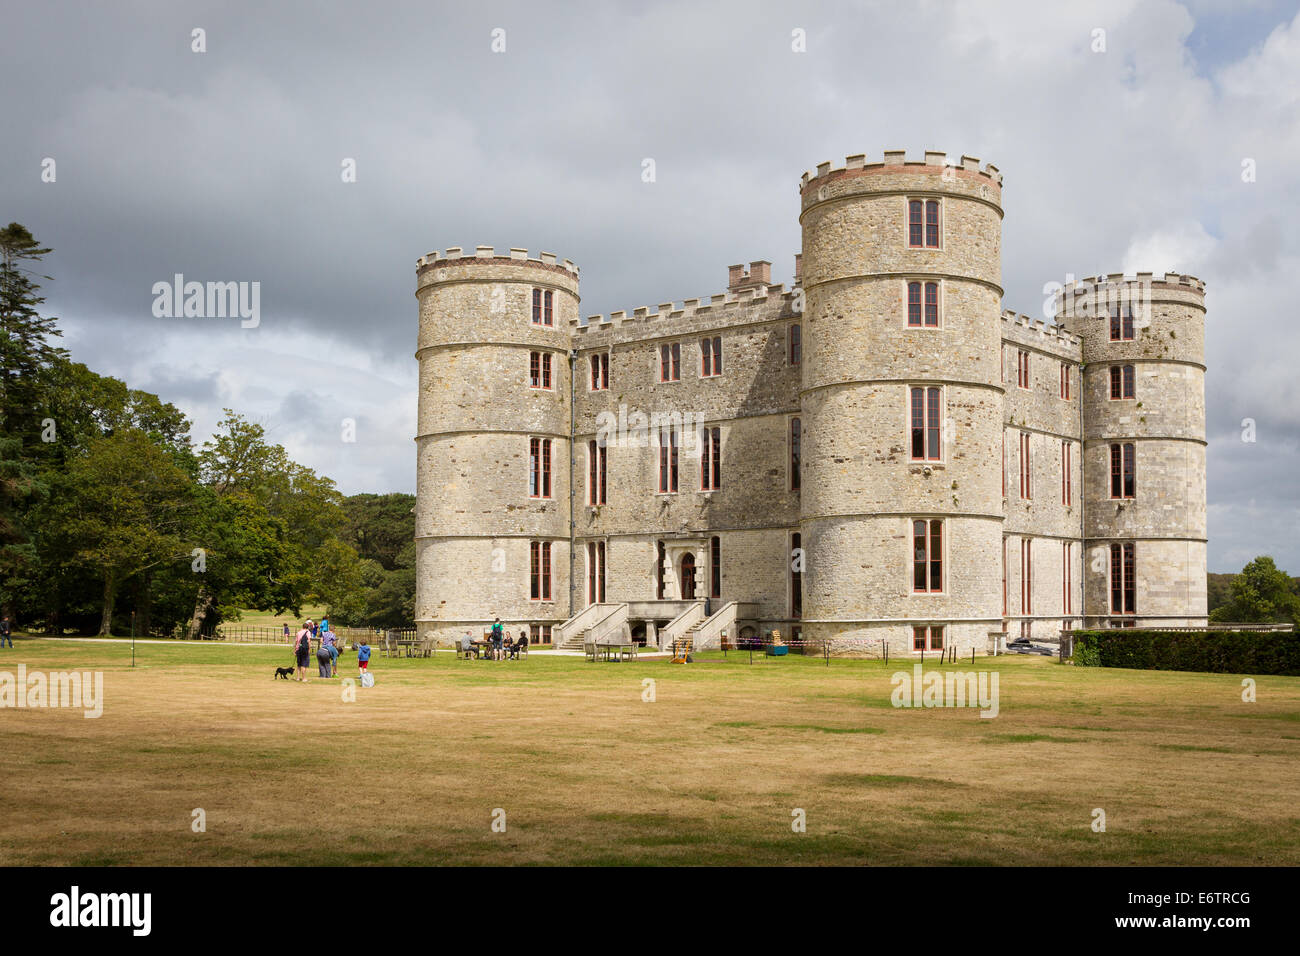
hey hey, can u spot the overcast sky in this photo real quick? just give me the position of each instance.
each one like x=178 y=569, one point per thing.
x=226 y=165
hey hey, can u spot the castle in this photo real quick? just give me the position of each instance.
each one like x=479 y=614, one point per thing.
x=879 y=454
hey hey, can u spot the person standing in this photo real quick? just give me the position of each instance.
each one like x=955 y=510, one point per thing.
x=324 y=660
x=498 y=637
x=330 y=646
x=302 y=650
x=363 y=655
x=6 y=633
x=287 y=636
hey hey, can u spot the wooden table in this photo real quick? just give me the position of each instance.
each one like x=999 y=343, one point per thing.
x=618 y=651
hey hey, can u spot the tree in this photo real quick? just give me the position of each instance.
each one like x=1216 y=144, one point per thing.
x=25 y=351
x=305 y=507
x=25 y=356
x=1260 y=594
x=121 y=508
x=380 y=526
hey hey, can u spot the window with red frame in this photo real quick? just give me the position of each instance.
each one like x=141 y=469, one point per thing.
x=1022 y=368
x=1123 y=579
x=1123 y=470
x=1004 y=577
x=539 y=467
x=1067 y=478
x=595 y=572
x=539 y=370
x=711 y=460
x=796 y=575
x=596 y=465
x=600 y=371
x=1026 y=576
x=540 y=570
x=796 y=449
x=659 y=570
x=923 y=305
x=1065 y=381
x=670 y=362
x=1121 y=323
x=927 y=555
x=927 y=638
x=1026 y=478
x=1067 y=575
x=542 y=307
x=926 y=423
x=1122 y=382
x=667 y=461
x=796 y=344
x=923 y=223
x=711 y=357
x=1004 y=463
x=715 y=567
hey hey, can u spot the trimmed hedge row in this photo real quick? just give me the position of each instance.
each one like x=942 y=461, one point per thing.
x=1217 y=652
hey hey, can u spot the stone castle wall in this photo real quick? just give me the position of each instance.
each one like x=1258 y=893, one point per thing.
x=859 y=489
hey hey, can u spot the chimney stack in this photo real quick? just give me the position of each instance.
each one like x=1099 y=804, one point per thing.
x=798 y=267
x=758 y=274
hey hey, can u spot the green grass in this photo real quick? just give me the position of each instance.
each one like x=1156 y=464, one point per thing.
x=410 y=771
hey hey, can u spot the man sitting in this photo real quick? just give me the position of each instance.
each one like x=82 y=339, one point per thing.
x=467 y=645
x=516 y=647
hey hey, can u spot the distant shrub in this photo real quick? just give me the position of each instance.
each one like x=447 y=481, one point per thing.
x=1214 y=652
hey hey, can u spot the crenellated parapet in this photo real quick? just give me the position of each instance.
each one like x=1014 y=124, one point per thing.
x=1054 y=339
x=457 y=255
x=934 y=162
x=669 y=318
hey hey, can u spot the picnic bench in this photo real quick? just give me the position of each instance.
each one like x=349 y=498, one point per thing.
x=610 y=650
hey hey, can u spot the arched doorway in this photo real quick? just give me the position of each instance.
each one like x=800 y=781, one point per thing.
x=688 y=576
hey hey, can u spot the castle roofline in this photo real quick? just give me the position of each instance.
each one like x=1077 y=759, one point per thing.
x=934 y=161
x=1042 y=327
x=667 y=311
x=1172 y=279
x=488 y=253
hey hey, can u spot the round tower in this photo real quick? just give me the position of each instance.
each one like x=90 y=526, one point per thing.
x=1144 y=447
x=492 y=440
x=901 y=508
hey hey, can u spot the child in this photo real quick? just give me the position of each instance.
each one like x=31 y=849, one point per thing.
x=363 y=655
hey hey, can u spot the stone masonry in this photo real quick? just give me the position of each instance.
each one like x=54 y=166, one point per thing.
x=776 y=481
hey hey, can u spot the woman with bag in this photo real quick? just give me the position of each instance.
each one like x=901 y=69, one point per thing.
x=302 y=651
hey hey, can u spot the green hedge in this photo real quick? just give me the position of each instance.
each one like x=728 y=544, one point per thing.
x=1218 y=652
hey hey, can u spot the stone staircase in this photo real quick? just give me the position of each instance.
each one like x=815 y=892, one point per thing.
x=594 y=622
x=706 y=634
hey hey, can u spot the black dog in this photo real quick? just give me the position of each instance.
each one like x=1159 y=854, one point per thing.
x=283 y=672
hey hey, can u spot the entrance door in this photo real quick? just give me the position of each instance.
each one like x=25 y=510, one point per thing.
x=688 y=577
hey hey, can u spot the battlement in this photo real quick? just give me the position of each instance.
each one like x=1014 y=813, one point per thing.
x=1042 y=328
x=690 y=309
x=1169 y=280
x=934 y=161
x=488 y=253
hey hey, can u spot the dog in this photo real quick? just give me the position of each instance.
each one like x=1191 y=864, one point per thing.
x=284 y=672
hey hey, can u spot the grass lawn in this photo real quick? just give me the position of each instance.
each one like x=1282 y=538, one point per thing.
x=588 y=773
x=268 y=619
